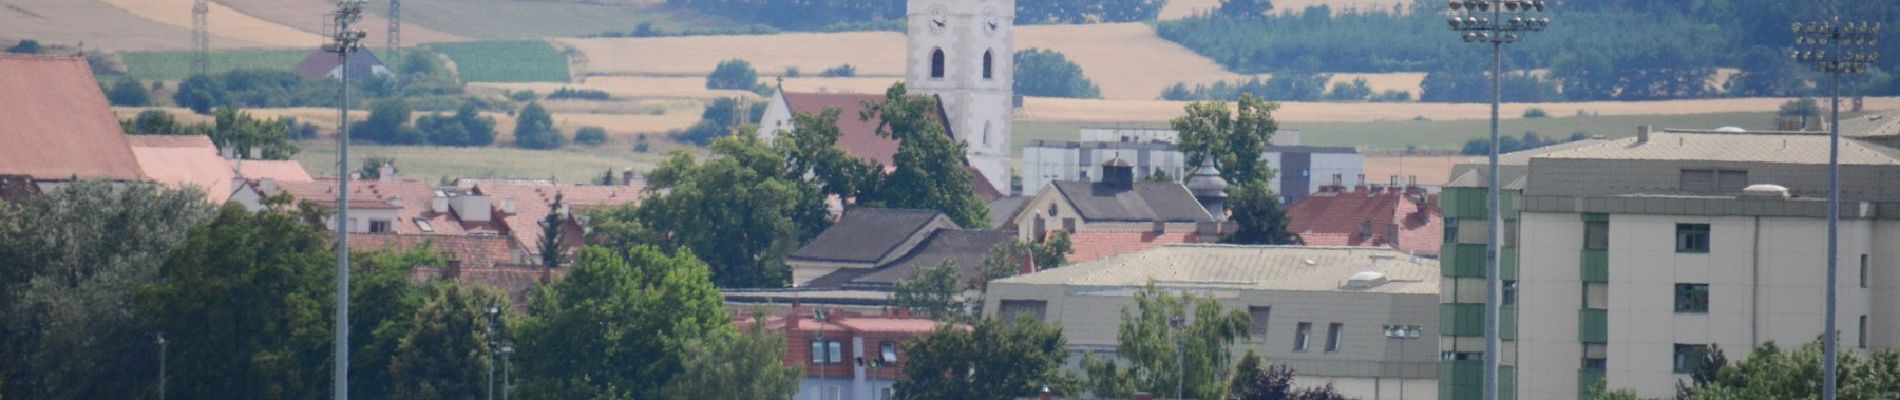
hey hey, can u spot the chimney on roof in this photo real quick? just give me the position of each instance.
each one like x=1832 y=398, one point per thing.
x=1117 y=174
x=1642 y=134
x=386 y=173
x=627 y=177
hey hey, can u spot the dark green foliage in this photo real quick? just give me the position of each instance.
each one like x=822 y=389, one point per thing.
x=1235 y=139
x=721 y=118
x=1260 y=216
x=230 y=130
x=26 y=46
x=591 y=136
x=1245 y=9
x=993 y=360
x=388 y=123
x=1474 y=86
x=1535 y=112
x=615 y=326
x=1773 y=372
x=1286 y=86
x=70 y=327
x=127 y=92
x=1357 y=90
x=1802 y=107
x=159 y=122
x=640 y=144
x=552 y=245
x=199 y=93
x=467 y=128
x=733 y=74
x=579 y=94
x=742 y=208
x=1508 y=143
x=447 y=351
x=742 y=366
x=929 y=173
x=534 y=129
x=840 y=71
x=299 y=130
x=1046 y=73
x=1088 y=11
x=522 y=96
x=1155 y=352
x=932 y=292
x=373 y=167
x=1253 y=381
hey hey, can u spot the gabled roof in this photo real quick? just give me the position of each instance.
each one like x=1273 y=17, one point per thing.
x=278 y=170
x=472 y=251
x=868 y=235
x=1294 y=268
x=319 y=64
x=1003 y=210
x=1369 y=219
x=965 y=248
x=981 y=185
x=1091 y=245
x=1143 y=202
x=412 y=200
x=533 y=203
x=1769 y=148
x=55 y=123
x=855 y=135
x=184 y=161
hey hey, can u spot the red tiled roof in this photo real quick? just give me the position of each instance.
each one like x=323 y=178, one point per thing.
x=55 y=123
x=1091 y=245
x=1341 y=218
x=184 y=161
x=472 y=251
x=534 y=202
x=856 y=135
x=981 y=185
x=416 y=200
x=278 y=170
x=889 y=324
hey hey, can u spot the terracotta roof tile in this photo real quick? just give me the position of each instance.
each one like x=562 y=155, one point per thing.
x=278 y=170
x=184 y=161
x=1091 y=245
x=534 y=202
x=1368 y=219
x=857 y=136
x=414 y=199
x=56 y=124
x=472 y=251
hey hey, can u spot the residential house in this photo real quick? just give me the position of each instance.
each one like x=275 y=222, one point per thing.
x=1120 y=214
x=57 y=126
x=859 y=137
x=845 y=355
x=1405 y=218
x=1324 y=311
x=872 y=249
x=193 y=161
x=322 y=64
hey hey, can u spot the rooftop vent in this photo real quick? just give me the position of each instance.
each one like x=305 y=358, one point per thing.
x=1365 y=279
x=1765 y=190
x=1731 y=129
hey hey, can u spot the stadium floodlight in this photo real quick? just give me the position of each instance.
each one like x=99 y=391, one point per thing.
x=344 y=42
x=1835 y=48
x=1469 y=18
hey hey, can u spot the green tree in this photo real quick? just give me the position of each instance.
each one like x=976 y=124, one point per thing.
x=615 y=327
x=928 y=172
x=383 y=309
x=991 y=360
x=741 y=366
x=534 y=129
x=1256 y=210
x=70 y=326
x=237 y=131
x=741 y=208
x=243 y=302
x=1771 y=372
x=127 y=92
x=733 y=74
x=447 y=352
x=1159 y=355
x=1248 y=9
x=1046 y=73
x=1236 y=140
x=552 y=244
x=159 y=122
x=1254 y=381
x=591 y=136
x=932 y=292
x=812 y=150
x=1357 y=90
x=388 y=123
x=373 y=167
x=25 y=46
x=199 y=93
x=1053 y=252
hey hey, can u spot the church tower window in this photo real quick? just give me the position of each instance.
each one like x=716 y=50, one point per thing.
x=936 y=63
x=988 y=65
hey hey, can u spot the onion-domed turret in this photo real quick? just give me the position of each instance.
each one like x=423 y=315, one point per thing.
x=1209 y=189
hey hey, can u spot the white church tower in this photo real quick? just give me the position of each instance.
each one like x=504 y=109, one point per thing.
x=962 y=51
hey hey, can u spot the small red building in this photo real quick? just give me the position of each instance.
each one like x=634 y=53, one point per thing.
x=846 y=355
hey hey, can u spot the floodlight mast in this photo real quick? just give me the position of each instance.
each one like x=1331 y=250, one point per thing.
x=344 y=42
x=1483 y=21
x=1834 y=48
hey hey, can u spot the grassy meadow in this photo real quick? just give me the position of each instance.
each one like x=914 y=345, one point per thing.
x=176 y=65
x=506 y=61
x=1440 y=135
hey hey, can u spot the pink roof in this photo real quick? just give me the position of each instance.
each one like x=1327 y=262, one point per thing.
x=472 y=251
x=413 y=199
x=889 y=324
x=534 y=202
x=56 y=124
x=857 y=136
x=1091 y=245
x=184 y=161
x=1342 y=218
x=278 y=170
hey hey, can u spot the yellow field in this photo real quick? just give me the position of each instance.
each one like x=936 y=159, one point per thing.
x=1056 y=110
x=1127 y=60
x=873 y=53
x=621 y=125
x=1430 y=170
x=1178 y=9
x=226 y=22
x=306 y=15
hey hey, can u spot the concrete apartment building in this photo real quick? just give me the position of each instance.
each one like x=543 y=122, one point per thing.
x=1320 y=310
x=1637 y=255
x=1299 y=170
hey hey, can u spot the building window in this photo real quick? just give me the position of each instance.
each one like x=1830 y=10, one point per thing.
x=834 y=392
x=1692 y=298
x=988 y=64
x=1510 y=233
x=1861 y=340
x=817 y=352
x=936 y=63
x=1510 y=293
x=827 y=352
x=1595 y=356
x=1461 y=355
x=1690 y=357
x=1068 y=225
x=1301 y=335
x=1863 y=270
x=1053 y=211
x=1258 y=329
x=1451 y=231
x=1596 y=235
x=1596 y=296
x=1332 y=336
x=837 y=351
x=378 y=226
x=1692 y=238
x=887 y=353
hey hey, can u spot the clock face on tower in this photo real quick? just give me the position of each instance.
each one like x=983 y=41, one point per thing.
x=939 y=19
x=992 y=22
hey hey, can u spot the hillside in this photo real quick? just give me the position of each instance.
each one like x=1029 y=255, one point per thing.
x=102 y=26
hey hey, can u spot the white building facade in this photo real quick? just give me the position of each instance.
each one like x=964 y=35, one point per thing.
x=1298 y=170
x=962 y=51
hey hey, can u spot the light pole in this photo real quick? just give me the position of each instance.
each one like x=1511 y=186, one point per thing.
x=1180 y=351
x=1402 y=333
x=344 y=42
x=1834 y=48
x=1469 y=17
x=507 y=382
x=494 y=312
x=161 y=365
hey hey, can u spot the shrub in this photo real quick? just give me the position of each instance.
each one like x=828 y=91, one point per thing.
x=840 y=71
x=128 y=92
x=579 y=94
x=640 y=144
x=733 y=74
x=522 y=96
x=534 y=129
x=591 y=136
x=1536 y=113
x=28 y=46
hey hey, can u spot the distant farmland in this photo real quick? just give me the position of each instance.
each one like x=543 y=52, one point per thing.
x=506 y=61
x=176 y=65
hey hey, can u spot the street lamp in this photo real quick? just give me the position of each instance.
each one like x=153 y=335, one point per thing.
x=494 y=312
x=1402 y=333
x=344 y=42
x=1834 y=48
x=508 y=383
x=1485 y=21
x=1179 y=322
x=161 y=365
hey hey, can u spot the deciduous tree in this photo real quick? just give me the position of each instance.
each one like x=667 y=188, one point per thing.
x=1160 y=356
x=994 y=359
x=737 y=366
x=928 y=172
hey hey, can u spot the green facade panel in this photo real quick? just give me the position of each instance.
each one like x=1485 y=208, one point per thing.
x=1595 y=266
x=1507 y=323
x=1593 y=326
x=1507 y=260
x=1461 y=319
x=1462 y=260
x=1464 y=379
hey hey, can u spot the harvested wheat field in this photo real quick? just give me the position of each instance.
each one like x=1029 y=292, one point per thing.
x=1430 y=170
x=873 y=53
x=1127 y=60
x=99 y=25
x=629 y=87
x=310 y=16
x=1401 y=81
x=225 y=22
x=1054 y=109
x=1178 y=9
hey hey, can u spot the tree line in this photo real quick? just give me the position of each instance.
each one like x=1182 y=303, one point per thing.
x=849 y=14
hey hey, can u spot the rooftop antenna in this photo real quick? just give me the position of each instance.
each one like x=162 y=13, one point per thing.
x=201 y=37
